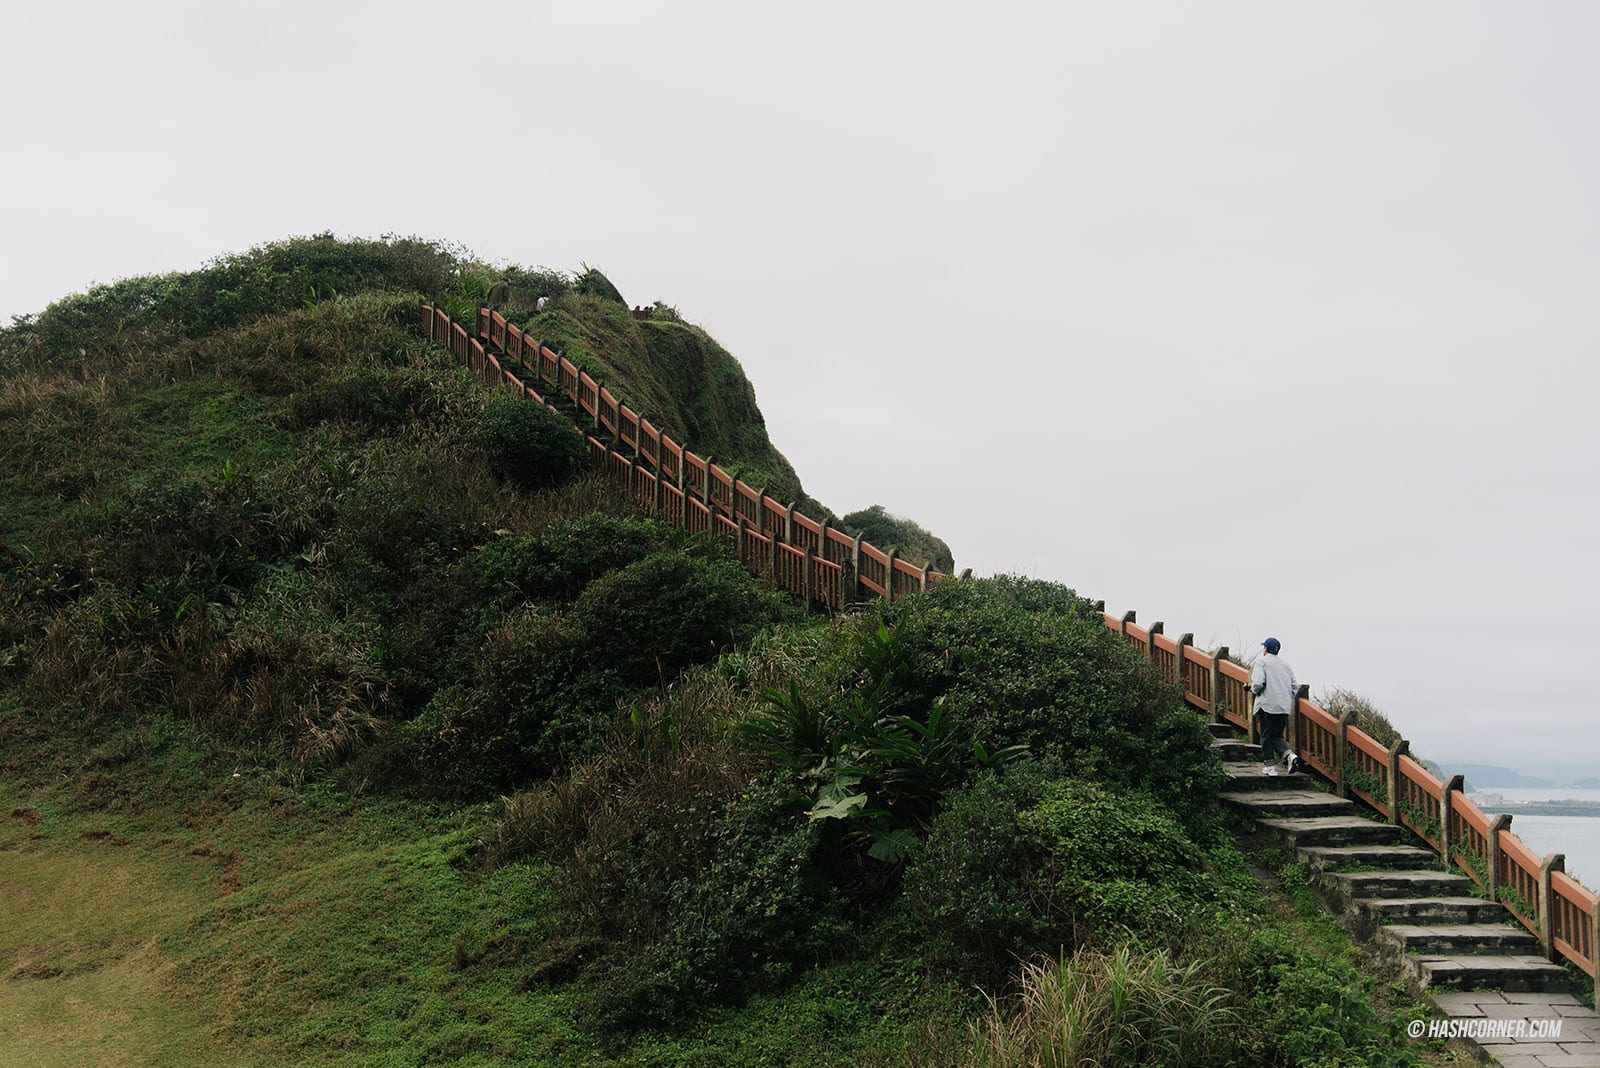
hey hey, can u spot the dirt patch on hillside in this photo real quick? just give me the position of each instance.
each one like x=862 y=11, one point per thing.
x=104 y=837
x=28 y=817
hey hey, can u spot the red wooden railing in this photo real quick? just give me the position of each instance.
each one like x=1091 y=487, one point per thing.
x=1536 y=891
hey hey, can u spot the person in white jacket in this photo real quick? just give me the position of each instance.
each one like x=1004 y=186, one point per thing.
x=1272 y=682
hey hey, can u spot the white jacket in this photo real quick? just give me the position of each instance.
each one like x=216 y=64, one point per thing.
x=1272 y=681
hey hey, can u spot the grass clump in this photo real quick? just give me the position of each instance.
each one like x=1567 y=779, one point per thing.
x=529 y=444
x=1364 y=715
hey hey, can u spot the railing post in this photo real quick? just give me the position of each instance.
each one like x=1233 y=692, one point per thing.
x=849 y=585
x=806 y=570
x=788 y=526
x=1218 y=655
x=855 y=565
x=926 y=571
x=1127 y=617
x=966 y=573
x=1157 y=627
x=1184 y=641
x=1341 y=736
x=1302 y=694
x=1502 y=822
x=822 y=538
x=888 y=577
x=1398 y=749
x=1455 y=784
x=1547 y=934
x=1594 y=938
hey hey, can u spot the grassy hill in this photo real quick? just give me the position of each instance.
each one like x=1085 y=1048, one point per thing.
x=347 y=720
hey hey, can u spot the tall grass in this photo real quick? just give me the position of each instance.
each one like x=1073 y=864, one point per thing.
x=1096 y=1008
x=1363 y=714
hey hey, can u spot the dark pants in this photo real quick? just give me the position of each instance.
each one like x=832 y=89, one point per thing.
x=1272 y=744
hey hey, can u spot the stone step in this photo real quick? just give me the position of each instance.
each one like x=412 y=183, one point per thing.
x=1460 y=939
x=1332 y=831
x=1295 y=803
x=1223 y=730
x=1431 y=910
x=1231 y=750
x=1512 y=973
x=1383 y=857
x=1250 y=775
x=1412 y=883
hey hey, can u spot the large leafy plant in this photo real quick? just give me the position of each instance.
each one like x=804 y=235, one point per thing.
x=867 y=755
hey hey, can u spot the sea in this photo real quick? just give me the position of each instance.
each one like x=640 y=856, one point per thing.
x=1576 y=836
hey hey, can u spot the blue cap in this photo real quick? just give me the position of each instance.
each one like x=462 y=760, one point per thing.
x=1272 y=645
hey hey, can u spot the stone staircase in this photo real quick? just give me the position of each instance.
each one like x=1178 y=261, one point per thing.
x=1460 y=953
x=1386 y=889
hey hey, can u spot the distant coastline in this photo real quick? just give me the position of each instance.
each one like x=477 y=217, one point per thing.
x=1494 y=803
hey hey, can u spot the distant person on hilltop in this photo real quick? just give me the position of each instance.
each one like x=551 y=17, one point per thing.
x=1272 y=682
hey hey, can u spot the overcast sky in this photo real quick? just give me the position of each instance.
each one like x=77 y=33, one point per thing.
x=1257 y=318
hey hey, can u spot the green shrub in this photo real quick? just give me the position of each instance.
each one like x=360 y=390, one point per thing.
x=593 y=282
x=543 y=688
x=977 y=887
x=230 y=290
x=674 y=608
x=530 y=445
x=757 y=911
x=1024 y=663
x=1298 y=1005
x=187 y=540
x=915 y=544
x=861 y=759
x=1119 y=859
x=532 y=704
x=559 y=561
x=413 y=399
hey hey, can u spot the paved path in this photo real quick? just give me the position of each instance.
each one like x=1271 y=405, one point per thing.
x=1482 y=974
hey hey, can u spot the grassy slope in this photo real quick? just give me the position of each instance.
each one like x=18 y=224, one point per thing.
x=205 y=918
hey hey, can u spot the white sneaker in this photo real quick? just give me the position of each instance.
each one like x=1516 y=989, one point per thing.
x=1294 y=763
x=1269 y=769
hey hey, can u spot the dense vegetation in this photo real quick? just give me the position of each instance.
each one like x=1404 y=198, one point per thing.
x=445 y=755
